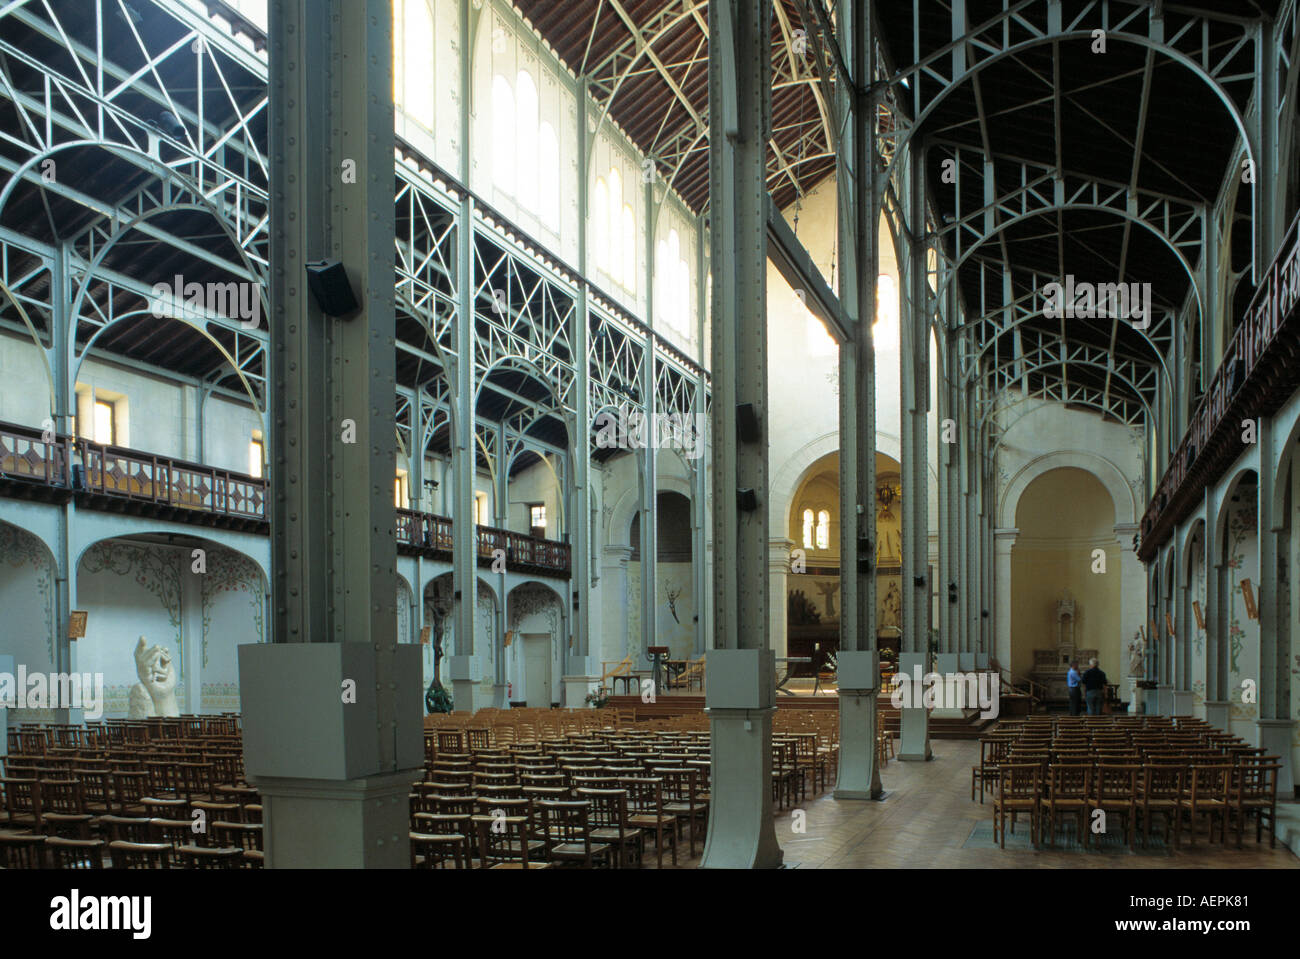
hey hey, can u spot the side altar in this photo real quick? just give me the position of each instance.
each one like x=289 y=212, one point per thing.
x=1051 y=665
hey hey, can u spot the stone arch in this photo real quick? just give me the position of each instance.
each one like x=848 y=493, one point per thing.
x=1106 y=472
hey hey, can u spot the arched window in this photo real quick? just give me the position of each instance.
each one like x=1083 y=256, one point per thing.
x=600 y=223
x=548 y=174
x=526 y=139
x=503 y=134
x=823 y=529
x=629 y=248
x=412 y=66
x=614 y=234
x=807 y=529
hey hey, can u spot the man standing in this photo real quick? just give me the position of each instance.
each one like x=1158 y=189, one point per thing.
x=1094 y=685
x=1075 y=690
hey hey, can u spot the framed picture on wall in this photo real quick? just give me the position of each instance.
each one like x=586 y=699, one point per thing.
x=1248 y=596
x=77 y=624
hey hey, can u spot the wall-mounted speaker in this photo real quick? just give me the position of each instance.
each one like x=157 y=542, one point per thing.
x=330 y=288
x=747 y=430
x=746 y=500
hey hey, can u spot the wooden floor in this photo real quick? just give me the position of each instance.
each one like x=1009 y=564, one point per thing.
x=927 y=818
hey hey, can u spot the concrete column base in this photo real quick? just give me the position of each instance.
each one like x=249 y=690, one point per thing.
x=576 y=689
x=1275 y=736
x=6 y=667
x=1165 y=700
x=463 y=693
x=1184 y=702
x=914 y=735
x=742 y=834
x=1217 y=715
x=857 y=774
x=337 y=824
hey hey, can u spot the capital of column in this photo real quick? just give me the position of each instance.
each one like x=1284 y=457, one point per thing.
x=1125 y=533
x=1005 y=538
x=617 y=555
x=778 y=555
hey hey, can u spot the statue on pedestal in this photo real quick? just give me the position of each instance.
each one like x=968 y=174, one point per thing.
x=1137 y=656
x=155 y=694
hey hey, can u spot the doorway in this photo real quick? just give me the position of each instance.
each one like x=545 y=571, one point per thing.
x=537 y=670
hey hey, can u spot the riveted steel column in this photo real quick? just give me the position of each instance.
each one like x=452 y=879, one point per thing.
x=858 y=774
x=331 y=764
x=741 y=675
x=914 y=339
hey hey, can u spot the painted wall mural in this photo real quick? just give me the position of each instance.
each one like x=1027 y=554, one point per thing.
x=1242 y=560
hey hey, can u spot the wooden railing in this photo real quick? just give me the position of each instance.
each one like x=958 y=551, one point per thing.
x=25 y=454
x=168 y=483
x=173 y=483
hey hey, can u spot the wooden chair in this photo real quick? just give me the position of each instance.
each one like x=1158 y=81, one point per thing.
x=1115 y=793
x=993 y=752
x=609 y=820
x=502 y=835
x=1207 y=795
x=1068 y=793
x=193 y=856
x=681 y=799
x=126 y=828
x=645 y=799
x=74 y=853
x=1256 y=795
x=247 y=836
x=568 y=834
x=140 y=855
x=177 y=833
x=22 y=850
x=1018 y=792
x=452 y=834
x=22 y=802
x=1162 y=793
x=63 y=808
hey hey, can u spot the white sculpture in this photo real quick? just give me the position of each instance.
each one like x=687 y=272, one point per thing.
x=155 y=694
x=1136 y=655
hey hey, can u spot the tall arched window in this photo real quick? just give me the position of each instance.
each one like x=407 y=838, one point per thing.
x=526 y=140
x=548 y=173
x=614 y=246
x=600 y=223
x=629 y=248
x=807 y=529
x=823 y=529
x=503 y=134
x=413 y=74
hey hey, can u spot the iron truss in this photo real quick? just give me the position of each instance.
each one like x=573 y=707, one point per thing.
x=205 y=177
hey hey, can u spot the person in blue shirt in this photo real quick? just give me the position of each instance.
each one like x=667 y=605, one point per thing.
x=1076 y=691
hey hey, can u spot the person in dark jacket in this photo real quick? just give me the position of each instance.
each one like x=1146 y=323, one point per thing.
x=1094 y=688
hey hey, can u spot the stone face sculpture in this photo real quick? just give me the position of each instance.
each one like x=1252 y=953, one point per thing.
x=155 y=693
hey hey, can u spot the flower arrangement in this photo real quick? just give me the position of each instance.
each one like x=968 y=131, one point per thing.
x=597 y=698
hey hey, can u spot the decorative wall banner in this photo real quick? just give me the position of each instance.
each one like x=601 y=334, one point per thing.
x=1248 y=595
x=77 y=624
x=1169 y=624
x=1200 y=616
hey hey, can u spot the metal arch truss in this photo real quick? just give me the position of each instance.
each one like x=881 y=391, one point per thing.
x=1021 y=24
x=525 y=306
x=810 y=137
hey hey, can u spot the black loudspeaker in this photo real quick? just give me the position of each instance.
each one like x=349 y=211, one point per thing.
x=330 y=288
x=747 y=430
x=918 y=581
x=746 y=500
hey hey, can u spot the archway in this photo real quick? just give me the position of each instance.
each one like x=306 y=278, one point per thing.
x=197 y=599
x=1235 y=642
x=1069 y=557
x=27 y=596
x=675 y=602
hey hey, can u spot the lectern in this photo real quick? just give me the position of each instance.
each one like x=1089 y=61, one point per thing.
x=657 y=655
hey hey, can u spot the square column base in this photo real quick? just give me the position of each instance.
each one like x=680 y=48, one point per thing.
x=1165 y=700
x=576 y=689
x=1275 y=736
x=742 y=834
x=463 y=693
x=1217 y=715
x=1184 y=702
x=337 y=824
x=857 y=775
x=914 y=735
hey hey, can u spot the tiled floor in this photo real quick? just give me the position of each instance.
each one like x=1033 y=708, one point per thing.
x=927 y=819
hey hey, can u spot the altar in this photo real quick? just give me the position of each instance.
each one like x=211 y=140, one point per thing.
x=1051 y=665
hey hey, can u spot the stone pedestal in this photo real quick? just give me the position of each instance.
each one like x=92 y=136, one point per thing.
x=576 y=689
x=914 y=719
x=1184 y=702
x=1275 y=736
x=337 y=824
x=1165 y=700
x=739 y=701
x=857 y=774
x=1217 y=715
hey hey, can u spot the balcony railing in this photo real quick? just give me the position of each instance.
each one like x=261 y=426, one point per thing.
x=167 y=484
